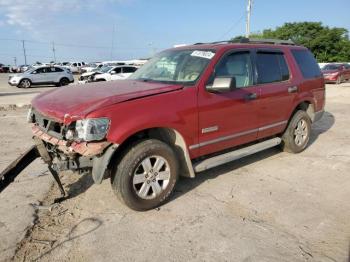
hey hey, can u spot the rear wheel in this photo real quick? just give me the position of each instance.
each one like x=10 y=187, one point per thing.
x=146 y=175
x=25 y=83
x=63 y=82
x=297 y=134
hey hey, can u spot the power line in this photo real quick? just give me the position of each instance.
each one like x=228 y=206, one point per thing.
x=232 y=27
x=74 y=45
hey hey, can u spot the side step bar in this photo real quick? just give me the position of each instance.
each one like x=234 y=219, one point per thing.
x=234 y=155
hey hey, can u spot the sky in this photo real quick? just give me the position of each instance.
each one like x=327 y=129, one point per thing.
x=88 y=30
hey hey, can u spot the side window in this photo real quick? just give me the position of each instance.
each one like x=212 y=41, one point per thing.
x=237 y=65
x=51 y=70
x=117 y=70
x=57 y=69
x=347 y=66
x=272 y=67
x=74 y=64
x=129 y=69
x=307 y=63
x=41 y=70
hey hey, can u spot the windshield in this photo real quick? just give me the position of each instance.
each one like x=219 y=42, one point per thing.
x=331 y=67
x=103 y=69
x=175 y=66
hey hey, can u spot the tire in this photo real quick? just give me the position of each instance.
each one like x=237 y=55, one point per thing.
x=297 y=135
x=63 y=82
x=141 y=190
x=339 y=80
x=25 y=83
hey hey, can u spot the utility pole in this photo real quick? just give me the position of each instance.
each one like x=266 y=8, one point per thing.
x=24 y=53
x=15 y=60
x=54 y=51
x=249 y=10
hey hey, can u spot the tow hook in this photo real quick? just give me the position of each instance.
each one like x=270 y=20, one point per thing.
x=17 y=166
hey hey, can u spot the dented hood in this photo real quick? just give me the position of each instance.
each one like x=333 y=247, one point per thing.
x=79 y=100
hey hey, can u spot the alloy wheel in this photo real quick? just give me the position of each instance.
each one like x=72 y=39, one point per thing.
x=151 y=177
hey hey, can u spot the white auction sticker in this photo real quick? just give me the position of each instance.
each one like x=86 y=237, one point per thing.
x=203 y=54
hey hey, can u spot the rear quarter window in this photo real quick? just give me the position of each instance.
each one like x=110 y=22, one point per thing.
x=307 y=64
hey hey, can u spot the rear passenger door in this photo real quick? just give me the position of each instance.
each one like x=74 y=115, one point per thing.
x=277 y=91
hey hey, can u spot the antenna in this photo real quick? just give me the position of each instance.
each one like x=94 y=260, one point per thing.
x=249 y=11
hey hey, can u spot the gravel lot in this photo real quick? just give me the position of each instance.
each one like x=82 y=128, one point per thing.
x=272 y=206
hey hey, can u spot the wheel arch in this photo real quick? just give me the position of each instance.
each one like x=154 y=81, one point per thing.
x=306 y=105
x=169 y=136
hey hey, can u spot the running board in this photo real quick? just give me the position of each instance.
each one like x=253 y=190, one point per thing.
x=234 y=155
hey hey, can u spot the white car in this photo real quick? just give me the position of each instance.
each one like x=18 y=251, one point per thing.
x=90 y=67
x=112 y=73
x=75 y=67
x=45 y=75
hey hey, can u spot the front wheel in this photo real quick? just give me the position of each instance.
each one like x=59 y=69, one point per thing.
x=25 y=83
x=146 y=175
x=297 y=134
x=339 y=80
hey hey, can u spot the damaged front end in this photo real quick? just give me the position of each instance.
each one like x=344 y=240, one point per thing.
x=78 y=146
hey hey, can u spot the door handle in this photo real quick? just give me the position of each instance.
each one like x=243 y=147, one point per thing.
x=251 y=96
x=292 y=89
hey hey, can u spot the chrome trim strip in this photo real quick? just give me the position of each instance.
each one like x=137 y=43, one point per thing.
x=224 y=138
x=273 y=125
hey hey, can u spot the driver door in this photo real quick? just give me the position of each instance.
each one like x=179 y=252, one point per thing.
x=229 y=119
x=39 y=75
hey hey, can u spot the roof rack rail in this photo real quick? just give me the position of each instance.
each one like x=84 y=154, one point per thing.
x=265 y=41
x=253 y=41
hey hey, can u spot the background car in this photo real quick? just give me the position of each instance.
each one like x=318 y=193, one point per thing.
x=336 y=73
x=45 y=75
x=75 y=67
x=90 y=67
x=115 y=73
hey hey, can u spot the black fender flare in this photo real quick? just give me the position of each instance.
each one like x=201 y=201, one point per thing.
x=100 y=164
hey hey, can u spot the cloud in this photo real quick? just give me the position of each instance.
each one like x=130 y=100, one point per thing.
x=30 y=13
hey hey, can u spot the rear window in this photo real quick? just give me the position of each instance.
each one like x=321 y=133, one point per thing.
x=307 y=63
x=272 y=67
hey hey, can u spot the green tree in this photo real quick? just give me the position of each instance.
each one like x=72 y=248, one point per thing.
x=327 y=44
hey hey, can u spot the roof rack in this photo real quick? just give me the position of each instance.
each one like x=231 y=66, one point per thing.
x=265 y=41
x=253 y=41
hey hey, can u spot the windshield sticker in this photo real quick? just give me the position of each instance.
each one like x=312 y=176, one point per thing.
x=203 y=54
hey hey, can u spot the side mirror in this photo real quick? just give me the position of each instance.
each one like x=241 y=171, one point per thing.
x=113 y=72
x=34 y=72
x=222 y=85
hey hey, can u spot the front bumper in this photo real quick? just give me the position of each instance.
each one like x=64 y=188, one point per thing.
x=84 y=157
x=331 y=79
x=87 y=149
x=12 y=82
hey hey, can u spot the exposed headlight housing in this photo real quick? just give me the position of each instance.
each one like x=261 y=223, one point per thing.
x=94 y=129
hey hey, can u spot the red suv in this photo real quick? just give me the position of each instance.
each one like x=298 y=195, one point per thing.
x=187 y=110
x=336 y=73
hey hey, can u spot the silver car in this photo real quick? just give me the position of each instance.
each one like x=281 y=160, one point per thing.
x=45 y=75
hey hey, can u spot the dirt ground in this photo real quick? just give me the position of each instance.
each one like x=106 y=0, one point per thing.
x=272 y=206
